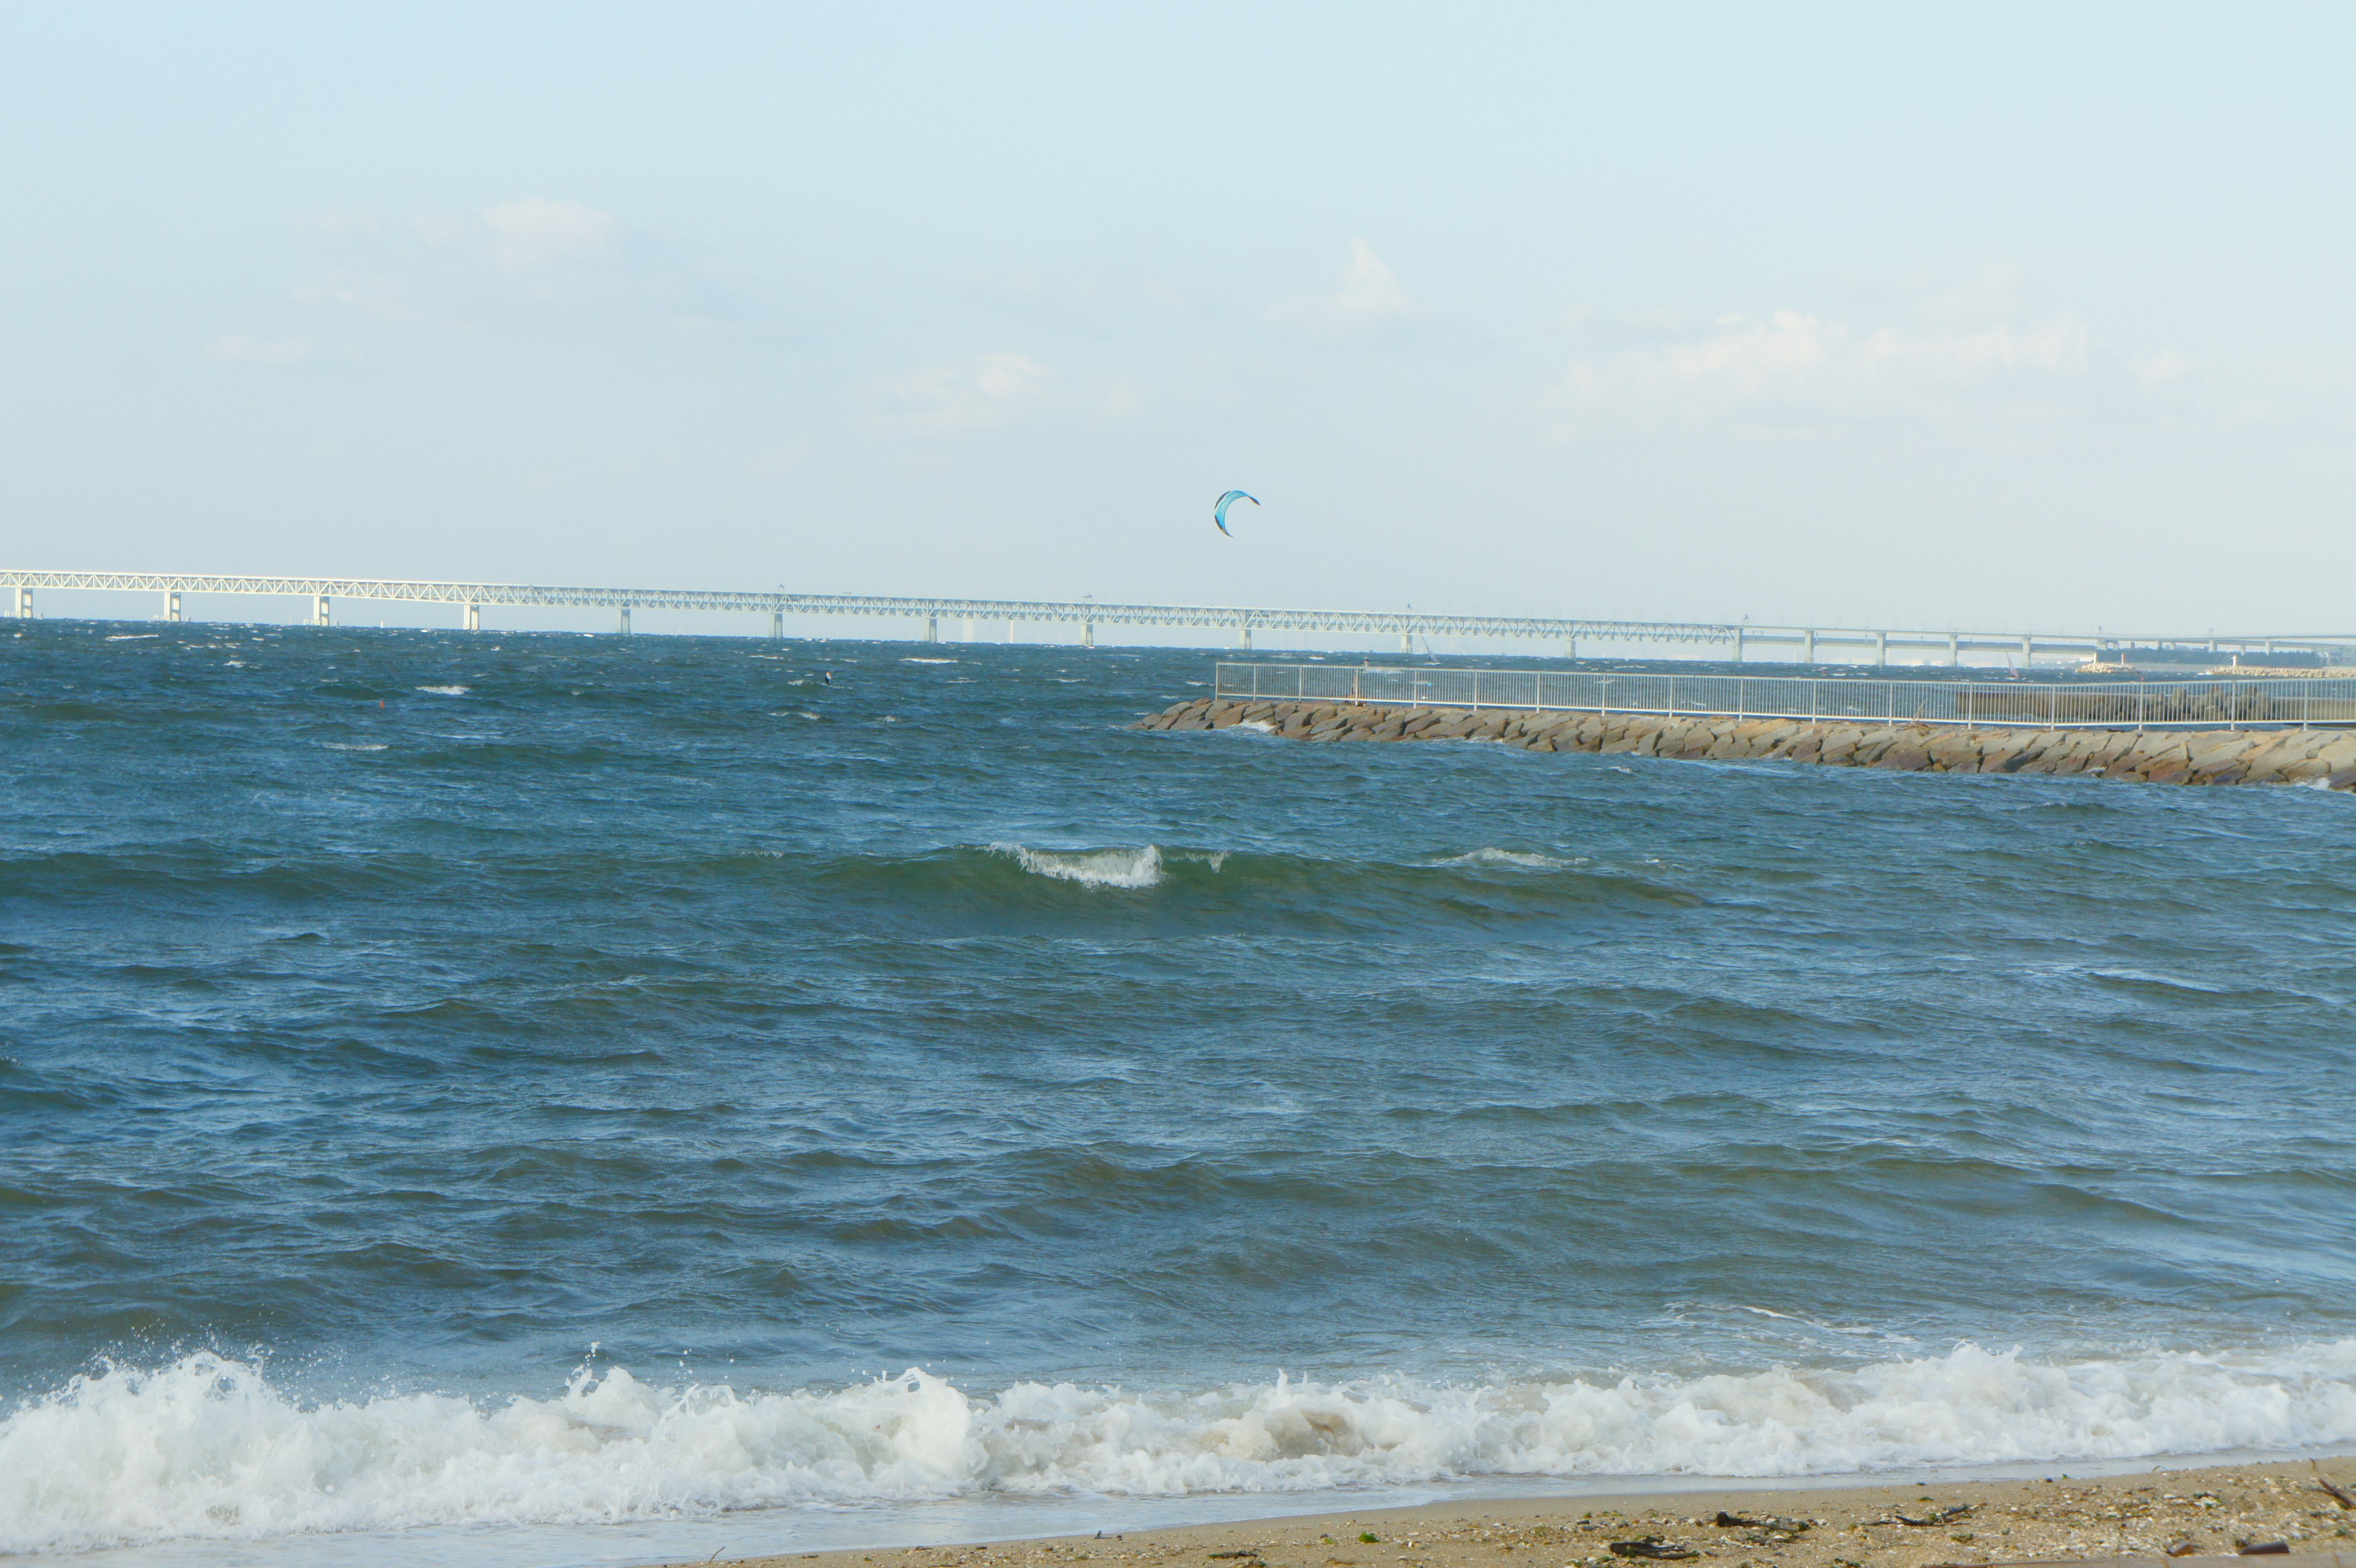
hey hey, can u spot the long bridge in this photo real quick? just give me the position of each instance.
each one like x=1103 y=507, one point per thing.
x=1737 y=638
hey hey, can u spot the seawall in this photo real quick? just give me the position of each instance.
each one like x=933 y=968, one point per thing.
x=2321 y=758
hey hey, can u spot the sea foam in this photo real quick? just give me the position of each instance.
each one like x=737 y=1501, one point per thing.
x=1097 y=867
x=208 y=1447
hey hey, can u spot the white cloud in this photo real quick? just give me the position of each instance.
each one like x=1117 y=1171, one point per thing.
x=1370 y=294
x=1120 y=398
x=2164 y=368
x=238 y=348
x=2267 y=391
x=531 y=259
x=1794 y=370
x=972 y=394
x=536 y=230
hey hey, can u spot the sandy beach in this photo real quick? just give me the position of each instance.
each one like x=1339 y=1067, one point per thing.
x=2192 y=1514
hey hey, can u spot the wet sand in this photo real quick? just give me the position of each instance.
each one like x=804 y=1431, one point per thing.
x=2195 y=1513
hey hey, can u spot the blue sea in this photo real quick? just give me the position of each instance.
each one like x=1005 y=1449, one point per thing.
x=534 y=1098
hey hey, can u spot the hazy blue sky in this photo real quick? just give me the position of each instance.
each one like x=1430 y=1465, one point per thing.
x=1872 y=312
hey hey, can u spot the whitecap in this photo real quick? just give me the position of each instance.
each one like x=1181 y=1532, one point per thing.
x=209 y=1446
x=447 y=691
x=354 y=745
x=134 y=636
x=1527 y=860
x=913 y=660
x=1093 y=868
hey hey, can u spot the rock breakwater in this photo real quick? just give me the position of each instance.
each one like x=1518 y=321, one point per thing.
x=2321 y=758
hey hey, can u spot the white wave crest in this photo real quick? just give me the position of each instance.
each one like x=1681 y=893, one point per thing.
x=353 y=745
x=447 y=691
x=207 y=1446
x=1527 y=859
x=1095 y=867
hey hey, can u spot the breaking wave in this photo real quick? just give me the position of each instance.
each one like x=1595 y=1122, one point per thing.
x=1527 y=859
x=1095 y=867
x=207 y=1446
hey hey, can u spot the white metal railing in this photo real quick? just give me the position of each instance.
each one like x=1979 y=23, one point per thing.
x=2116 y=705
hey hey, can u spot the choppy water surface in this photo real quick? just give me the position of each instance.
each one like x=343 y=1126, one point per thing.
x=562 y=1086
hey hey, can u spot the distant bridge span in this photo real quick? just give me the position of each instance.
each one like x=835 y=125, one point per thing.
x=1088 y=615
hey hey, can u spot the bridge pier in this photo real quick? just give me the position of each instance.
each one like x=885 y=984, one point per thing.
x=1087 y=633
x=1808 y=646
x=1738 y=644
x=171 y=606
x=319 y=611
x=622 y=621
x=932 y=626
x=1406 y=642
x=1954 y=650
x=473 y=621
x=23 y=603
x=1882 y=650
x=776 y=625
x=1570 y=647
x=1243 y=639
x=969 y=628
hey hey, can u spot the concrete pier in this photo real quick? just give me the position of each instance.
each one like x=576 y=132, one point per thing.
x=2324 y=757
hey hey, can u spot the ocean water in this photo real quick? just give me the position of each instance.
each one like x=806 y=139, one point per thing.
x=553 y=1099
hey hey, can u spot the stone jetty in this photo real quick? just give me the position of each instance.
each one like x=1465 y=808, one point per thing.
x=2323 y=758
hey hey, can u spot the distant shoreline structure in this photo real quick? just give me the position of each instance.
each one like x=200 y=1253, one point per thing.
x=17 y=590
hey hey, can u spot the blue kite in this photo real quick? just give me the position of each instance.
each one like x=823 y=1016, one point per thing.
x=1219 y=512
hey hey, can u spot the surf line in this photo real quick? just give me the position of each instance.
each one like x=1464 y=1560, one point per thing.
x=2322 y=759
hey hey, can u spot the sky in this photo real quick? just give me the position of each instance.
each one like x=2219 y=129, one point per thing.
x=1932 y=315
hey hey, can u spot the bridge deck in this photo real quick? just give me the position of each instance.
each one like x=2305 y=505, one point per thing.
x=1088 y=612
